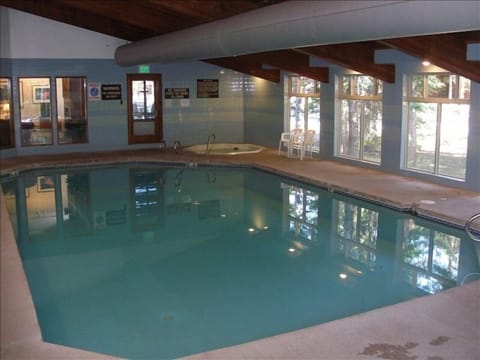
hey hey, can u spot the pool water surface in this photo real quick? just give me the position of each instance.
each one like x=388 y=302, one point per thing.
x=147 y=261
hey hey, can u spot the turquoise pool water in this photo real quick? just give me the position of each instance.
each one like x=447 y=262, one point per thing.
x=150 y=261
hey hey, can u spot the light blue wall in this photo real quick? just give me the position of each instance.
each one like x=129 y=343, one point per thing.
x=191 y=122
x=264 y=114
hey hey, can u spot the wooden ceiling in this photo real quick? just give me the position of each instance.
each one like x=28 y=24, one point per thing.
x=137 y=20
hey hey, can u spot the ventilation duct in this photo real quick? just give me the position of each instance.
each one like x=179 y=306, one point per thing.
x=294 y=24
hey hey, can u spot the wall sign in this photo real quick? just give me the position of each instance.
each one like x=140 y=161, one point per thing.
x=177 y=93
x=94 y=91
x=112 y=92
x=207 y=88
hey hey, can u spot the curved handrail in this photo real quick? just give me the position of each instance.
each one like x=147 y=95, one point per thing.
x=210 y=142
x=177 y=147
x=468 y=225
x=468 y=275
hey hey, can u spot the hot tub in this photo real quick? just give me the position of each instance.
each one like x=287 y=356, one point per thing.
x=225 y=149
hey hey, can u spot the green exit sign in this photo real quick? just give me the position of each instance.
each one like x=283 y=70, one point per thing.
x=143 y=69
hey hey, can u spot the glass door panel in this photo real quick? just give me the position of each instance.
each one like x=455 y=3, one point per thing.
x=144 y=97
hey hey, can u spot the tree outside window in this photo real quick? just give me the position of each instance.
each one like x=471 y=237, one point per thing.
x=437 y=117
x=359 y=124
x=304 y=100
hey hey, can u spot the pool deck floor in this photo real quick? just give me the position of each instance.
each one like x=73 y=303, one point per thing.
x=437 y=327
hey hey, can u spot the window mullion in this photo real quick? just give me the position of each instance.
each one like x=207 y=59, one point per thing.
x=362 y=129
x=437 y=139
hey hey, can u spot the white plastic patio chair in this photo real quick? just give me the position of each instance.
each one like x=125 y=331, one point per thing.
x=302 y=143
x=286 y=139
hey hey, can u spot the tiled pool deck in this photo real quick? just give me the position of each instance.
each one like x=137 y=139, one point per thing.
x=442 y=326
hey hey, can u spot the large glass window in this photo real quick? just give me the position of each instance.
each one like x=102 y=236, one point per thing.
x=304 y=100
x=35 y=111
x=359 y=124
x=71 y=110
x=7 y=138
x=437 y=115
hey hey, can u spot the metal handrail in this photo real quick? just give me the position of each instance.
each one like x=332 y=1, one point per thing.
x=208 y=149
x=468 y=275
x=468 y=227
x=177 y=146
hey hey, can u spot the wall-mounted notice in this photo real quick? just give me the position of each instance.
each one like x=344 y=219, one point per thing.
x=177 y=93
x=94 y=91
x=207 y=88
x=112 y=92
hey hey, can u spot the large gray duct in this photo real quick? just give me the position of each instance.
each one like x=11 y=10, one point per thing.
x=303 y=23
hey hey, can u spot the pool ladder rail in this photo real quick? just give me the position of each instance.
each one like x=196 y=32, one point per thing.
x=210 y=143
x=468 y=227
x=177 y=147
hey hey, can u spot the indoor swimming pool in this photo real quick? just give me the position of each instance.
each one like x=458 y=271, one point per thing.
x=161 y=261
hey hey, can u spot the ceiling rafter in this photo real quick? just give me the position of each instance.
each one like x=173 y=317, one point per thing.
x=68 y=15
x=247 y=67
x=290 y=61
x=144 y=17
x=205 y=11
x=448 y=51
x=356 y=56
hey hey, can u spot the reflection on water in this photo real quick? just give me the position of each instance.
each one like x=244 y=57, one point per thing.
x=430 y=258
x=68 y=204
x=174 y=250
x=356 y=232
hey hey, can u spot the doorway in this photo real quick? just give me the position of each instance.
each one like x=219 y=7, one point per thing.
x=144 y=96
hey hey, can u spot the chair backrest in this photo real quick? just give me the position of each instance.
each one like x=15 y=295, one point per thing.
x=296 y=135
x=308 y=137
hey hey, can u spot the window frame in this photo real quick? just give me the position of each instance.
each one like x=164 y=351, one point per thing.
x=9 y=129
x=351 y=95
x=27 y=127
x=84 y=109
x=409 y=98
x=308 y=98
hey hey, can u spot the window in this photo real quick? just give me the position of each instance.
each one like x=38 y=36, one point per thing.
x=437 y=108
x=71 y=110
x=35 y=111
x=7 y=139
x=359 y=124
x=304 y=100
x=429 y=258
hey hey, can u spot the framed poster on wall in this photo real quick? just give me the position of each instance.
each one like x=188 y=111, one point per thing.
x=41 y=94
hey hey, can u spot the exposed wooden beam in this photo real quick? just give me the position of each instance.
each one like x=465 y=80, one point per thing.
x=290 y=61
x=247 y=67
x=210 y=10
x=54 y=10
x=356 y=56
x=140 y=15
x=448 y=51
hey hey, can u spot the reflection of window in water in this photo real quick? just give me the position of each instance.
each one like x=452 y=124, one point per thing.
x=303 y=212
x=430 y=258
x=356 y=232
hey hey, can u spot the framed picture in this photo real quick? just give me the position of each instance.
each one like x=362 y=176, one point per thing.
x=45 y=183
x=41 y=94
